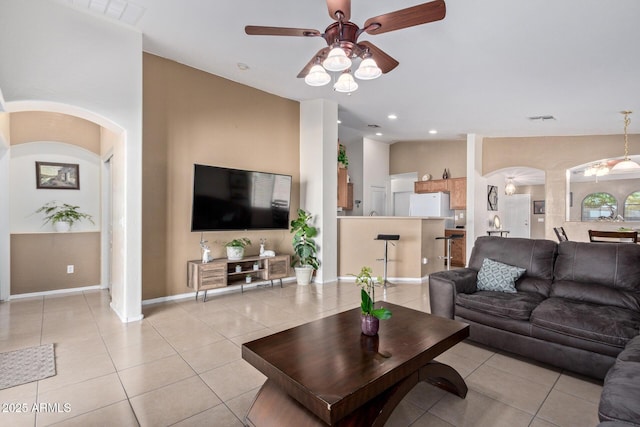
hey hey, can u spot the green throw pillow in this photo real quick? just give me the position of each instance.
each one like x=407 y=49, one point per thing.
x=496 y=276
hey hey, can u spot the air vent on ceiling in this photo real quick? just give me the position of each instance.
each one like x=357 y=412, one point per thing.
x=373 y=126
x=542 y=118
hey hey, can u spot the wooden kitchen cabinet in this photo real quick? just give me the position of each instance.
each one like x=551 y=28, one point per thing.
x=456 y=187
x=458 y=247
x=432 y=186
x=458 y=193
x=345 y=190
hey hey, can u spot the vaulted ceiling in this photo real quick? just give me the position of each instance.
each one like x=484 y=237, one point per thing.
x=485 y=68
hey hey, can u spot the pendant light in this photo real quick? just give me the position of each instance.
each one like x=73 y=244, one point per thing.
x=626 y=165
x=510 y=188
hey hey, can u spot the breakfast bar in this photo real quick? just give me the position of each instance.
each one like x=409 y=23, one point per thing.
x=415 y=255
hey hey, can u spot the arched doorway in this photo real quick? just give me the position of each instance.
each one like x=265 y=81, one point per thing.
x=125 y=292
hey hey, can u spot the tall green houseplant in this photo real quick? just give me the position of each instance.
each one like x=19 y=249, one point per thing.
x=304 y=246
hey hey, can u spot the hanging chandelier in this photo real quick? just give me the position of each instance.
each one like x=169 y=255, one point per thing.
x=626 y=165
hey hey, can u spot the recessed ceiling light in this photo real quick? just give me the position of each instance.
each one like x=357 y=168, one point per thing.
x=378 y=133
x=339 y=121
x=433 y=131
x=242 y=66
x=392 y=116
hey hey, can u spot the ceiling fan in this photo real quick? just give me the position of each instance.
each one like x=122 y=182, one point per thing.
x=342 y=41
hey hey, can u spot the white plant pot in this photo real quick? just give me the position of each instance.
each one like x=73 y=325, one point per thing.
x=62 y=226
x=235 y=253
x=303 y=274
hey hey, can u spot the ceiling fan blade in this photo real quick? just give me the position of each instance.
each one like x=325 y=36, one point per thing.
x=255 y=30
x=343 y=6
x=409 y=17
x=317 y=58
x=384 y=61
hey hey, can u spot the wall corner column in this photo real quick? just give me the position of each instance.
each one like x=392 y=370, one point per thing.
x=319 y=180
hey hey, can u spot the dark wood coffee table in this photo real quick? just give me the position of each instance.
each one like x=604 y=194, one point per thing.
x=327 y=372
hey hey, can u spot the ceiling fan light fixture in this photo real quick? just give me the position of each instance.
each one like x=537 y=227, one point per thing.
x=345 y=83
x=626 y=165
x=317 y=76
x=368 y=70
x=337 y=60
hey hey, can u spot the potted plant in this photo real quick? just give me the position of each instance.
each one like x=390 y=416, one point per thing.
x=343 y=161
x=304 y=247
x=62 y=215
x=370 y=316
x=235 y=248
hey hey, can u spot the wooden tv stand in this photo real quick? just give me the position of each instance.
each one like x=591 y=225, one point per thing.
x=221 y=272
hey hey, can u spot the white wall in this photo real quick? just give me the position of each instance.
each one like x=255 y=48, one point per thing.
x=375 y=173
x=25 y=198
x=319 y=179
x=55 y=58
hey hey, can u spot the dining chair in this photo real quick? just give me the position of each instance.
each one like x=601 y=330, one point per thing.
x=613 y=236
x=562 y=236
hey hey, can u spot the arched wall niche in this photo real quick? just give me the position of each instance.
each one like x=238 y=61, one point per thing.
x=111 y=148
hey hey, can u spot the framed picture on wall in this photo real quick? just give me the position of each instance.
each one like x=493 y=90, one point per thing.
x=492 y=198
x=57 y=176
x=538 y=207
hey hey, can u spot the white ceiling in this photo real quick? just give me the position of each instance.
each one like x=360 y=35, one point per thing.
x=484 y=69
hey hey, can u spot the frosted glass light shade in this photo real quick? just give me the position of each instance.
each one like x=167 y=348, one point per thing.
x=337 y=60
x=627 y=165
x=510 y=188
x=317 y=76
x=345 y=84
x=368 y=70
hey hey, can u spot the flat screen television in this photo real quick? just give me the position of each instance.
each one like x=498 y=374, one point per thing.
x=234 y=199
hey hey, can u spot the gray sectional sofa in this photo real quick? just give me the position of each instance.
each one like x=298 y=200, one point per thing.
x=576 y=306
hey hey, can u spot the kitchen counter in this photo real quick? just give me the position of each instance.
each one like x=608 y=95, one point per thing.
x=357 y=246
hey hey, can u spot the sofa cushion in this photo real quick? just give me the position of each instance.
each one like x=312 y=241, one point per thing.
x=620 y=399
x=599 y=323
x=599 y=273
x=512 y=305
x=497 y=276
x=536 y=256
x=631 y=352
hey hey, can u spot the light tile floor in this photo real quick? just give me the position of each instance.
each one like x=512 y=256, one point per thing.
x=182 y=364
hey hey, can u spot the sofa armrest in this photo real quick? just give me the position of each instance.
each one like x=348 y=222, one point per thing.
x=443 y=287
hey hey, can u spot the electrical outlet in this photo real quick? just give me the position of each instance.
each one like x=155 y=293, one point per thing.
x=70 y=269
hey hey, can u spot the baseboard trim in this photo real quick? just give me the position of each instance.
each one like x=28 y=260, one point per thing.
x=56 y=292
x=212 y=292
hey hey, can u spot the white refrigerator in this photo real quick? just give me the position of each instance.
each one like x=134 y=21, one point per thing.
x=430 y=204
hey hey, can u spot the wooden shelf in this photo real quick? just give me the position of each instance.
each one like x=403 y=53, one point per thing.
x=220 y=272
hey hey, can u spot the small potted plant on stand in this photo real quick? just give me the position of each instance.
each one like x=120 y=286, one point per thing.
x=370 y=316
x=304 y=247
x=62 y=216
x=235 y=248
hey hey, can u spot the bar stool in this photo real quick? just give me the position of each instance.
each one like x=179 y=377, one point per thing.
x=447 y=258
x=386 y=238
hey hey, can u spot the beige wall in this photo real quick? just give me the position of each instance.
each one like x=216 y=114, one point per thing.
x=45 y=126
x=39 y=261
x=52 y=252
x=554 y=155
x=357 y=246
x=190 y=116
x=429 y=157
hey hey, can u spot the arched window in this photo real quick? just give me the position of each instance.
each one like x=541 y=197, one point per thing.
x=632 y=207
x=599 y=205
